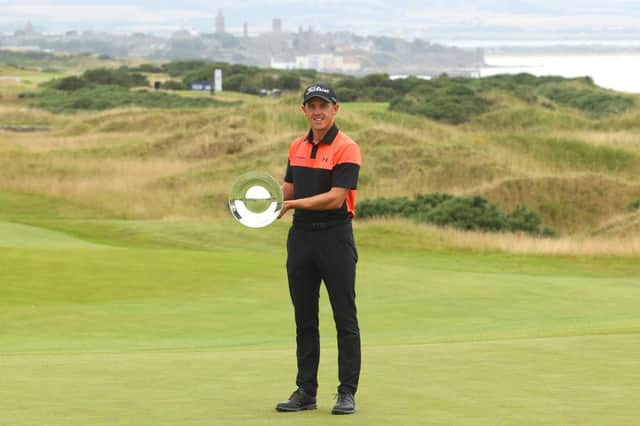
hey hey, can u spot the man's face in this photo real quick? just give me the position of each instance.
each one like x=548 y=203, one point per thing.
x=320 y=113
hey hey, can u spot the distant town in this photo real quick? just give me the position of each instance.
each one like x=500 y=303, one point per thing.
x=339 y=52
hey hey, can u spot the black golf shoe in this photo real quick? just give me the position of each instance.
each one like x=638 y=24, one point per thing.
x=345 y=404
x=298 y=401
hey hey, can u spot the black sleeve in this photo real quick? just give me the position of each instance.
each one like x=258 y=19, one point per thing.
x=288 y=176
x=345 y=175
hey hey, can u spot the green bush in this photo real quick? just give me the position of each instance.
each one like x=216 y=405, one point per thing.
x=450 y=101
x=148 y=68
x=172 y=85
x=307 y=73
x=288 y=81
x=380 y=94
x=238 y=78
x=109 y=77
x=424 y=204
x=457 y=100
x=511 y=82
x=524 y=220
x=68 y=84
x=463 y=212
x=635 y=205
x=469 y=213
x=382 y=207
x=100 y=76
x=347 y=94
x=178 y=68
x=401 y=206
x=106 y=97
x=592 y=100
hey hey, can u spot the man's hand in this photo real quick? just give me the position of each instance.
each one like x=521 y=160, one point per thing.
x=330 y=200
x=286 y=206
x=287 y=192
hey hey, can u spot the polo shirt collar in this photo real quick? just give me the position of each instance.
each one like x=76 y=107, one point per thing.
x=328 y=138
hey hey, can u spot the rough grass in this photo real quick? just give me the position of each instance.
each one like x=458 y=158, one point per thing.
x=620 y=226
x=24 y=116
x=594 y=199
x=573 y=154
x=138 y=163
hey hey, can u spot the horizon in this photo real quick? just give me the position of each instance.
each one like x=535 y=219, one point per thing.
x=434 y=19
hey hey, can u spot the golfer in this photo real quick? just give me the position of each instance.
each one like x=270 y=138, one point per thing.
x=320 y=185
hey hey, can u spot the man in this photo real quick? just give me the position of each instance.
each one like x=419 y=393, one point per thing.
x=320 y=184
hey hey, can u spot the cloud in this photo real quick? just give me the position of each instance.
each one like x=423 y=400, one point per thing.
x=65 y=12
x=362 y=16
x=587 y=18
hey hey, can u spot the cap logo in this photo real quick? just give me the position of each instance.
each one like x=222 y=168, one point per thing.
x=317 y=89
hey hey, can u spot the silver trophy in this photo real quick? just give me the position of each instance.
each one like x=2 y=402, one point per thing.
x=255 y=199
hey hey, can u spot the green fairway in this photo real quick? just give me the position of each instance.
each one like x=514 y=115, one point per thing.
x=189 y=322
x=17 y=235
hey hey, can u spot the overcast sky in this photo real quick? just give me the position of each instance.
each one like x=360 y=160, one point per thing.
x=377 y=17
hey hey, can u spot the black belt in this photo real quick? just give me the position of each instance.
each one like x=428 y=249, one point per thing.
x=319 y=226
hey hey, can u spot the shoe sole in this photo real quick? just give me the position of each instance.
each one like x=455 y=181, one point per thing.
x=342 y=411
x=292 y=410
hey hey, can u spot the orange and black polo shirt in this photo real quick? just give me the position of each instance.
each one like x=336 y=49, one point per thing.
x=315 y=169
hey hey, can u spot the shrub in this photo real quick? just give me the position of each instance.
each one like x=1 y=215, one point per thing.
x=109 y=77
x=424 y=204
x=381 y=94
x=69 y=83
x=469 y=213
x=401 y=206
x=464 y=212
x=449 y=100
x=100 y=76
x=177 y=68
x=288 y=82
x=382 y=207
x=592 y=100
x=308 y=73
x=105 y=97
x=635 y=205
x=523 y=219
x=347 y=95
x=376 y=80
x=148 y=68
x=172 y=85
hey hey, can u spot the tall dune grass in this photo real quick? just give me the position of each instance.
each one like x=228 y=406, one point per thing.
x=135 y=162
x=416 y=236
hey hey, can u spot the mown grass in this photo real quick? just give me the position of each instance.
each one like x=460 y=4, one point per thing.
x=158 y=322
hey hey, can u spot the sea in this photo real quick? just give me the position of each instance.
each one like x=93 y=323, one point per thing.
x=612 y=70
x=619 y=72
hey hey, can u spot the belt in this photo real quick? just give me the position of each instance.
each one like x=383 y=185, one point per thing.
x=319 y=226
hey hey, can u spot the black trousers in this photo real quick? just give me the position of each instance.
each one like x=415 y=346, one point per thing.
x=324 y=254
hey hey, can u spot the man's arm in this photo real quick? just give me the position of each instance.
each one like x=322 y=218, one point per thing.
x=331 y=200
x=287 y=191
